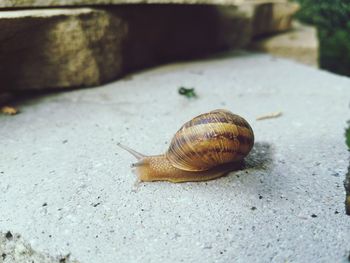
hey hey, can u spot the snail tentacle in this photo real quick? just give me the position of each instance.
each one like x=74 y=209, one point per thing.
x=136 y=154
x=137 y=164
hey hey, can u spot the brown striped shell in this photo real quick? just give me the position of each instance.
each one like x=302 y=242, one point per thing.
x=209 y=140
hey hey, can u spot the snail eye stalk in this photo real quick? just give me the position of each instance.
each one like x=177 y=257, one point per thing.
x=136 y=154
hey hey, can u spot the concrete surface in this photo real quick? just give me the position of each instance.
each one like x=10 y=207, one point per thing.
x=68 y=189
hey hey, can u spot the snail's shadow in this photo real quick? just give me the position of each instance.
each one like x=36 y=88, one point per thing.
x=259 y=159
x=253 y=172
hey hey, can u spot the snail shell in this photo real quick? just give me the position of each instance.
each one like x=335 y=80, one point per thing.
x=209 y=140
x=202 y=149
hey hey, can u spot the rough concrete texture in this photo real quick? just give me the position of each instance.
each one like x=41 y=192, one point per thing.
x=300 y=44
x=13 y=249
x=68 y=48
x=45 y=3
x=67 y=188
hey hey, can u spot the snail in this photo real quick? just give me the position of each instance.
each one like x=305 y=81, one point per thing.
x=206 y=147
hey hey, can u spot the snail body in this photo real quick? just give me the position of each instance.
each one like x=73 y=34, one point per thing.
x=206 y=147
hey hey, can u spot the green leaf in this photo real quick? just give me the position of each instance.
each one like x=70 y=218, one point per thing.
x=187 y=92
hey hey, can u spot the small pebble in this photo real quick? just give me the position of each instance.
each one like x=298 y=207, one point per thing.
x=9 y=235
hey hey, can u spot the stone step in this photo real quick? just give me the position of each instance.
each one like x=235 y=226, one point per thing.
x=51 y=48
x=81 y=47
x=273 y=17
x=11 y=4
x=300 y=44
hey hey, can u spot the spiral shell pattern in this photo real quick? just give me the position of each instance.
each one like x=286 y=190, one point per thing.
x=209 y=140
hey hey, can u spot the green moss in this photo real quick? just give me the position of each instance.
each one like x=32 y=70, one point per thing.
x=347 y=136
x=332 y=19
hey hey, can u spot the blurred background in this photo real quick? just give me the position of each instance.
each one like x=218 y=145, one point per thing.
x=67 y=45
x=331 y=17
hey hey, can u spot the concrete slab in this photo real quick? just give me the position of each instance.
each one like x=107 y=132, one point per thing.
x=67 y=188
